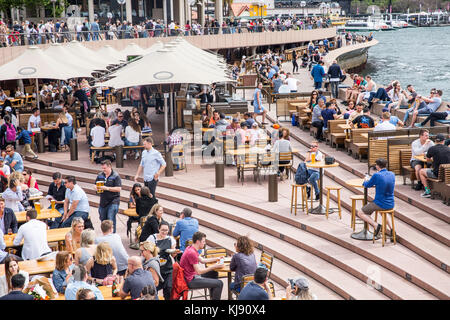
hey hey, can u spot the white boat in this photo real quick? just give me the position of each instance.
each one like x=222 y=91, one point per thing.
x=360 y=25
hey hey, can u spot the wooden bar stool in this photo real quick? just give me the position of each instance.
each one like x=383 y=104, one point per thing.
x=383 y=214
x=338 y=190
x=354 y=199
x=294 y=196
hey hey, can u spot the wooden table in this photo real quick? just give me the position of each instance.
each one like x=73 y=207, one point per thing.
x=320 y=209
x=33 y=267
x=36 y=198
x=423 y=159
x=226 y=268
x=105 y=290
x=131 y=212
x=346 y=128
x=53 y=235
x=43 y=215
x=364 y=234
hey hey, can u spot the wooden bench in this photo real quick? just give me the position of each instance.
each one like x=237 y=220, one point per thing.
x=335 y=134
x=359 y=145
x=393 y=156
x=111 y=149
x=440 y=187
x=406 y=170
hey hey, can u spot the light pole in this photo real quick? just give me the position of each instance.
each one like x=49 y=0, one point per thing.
x=121 y=2
x=303 y=5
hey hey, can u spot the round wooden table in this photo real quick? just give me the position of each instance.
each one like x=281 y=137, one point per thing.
x=423 y=159
x=226 y=268
x=364 y=234
x=320 y=209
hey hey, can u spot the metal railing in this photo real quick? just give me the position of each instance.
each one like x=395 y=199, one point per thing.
x=14 y=38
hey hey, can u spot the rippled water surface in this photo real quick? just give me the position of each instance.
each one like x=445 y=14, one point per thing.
x=417 y=56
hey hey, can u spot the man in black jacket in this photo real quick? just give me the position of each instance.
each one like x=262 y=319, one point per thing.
x=8 y=219
x=17 y=283
x=335 y=75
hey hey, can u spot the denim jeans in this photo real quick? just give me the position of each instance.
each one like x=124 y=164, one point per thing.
x=208 y=280
x=109 y=213
x=67 y=134
x=334 y=88
x=313 y=177
x=66 y=224
x=152 y=186
x=317 y=85
x=408 y=112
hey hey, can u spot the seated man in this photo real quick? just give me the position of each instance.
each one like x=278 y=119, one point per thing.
x=312 y=173
x=440 y=154
x=364 y=121
x=316 y=118
x=57 y=192
x=34 y=234
x=258 y=289
x=420 y=147
x=76 y=203
x=384 y=182
x=17 y=284
x=434 y=116
x=80 y=277
x=329 y=113
x=137 y=279
x=385 y=124
x=13 y=159
x=196 y=277
x=426 y=107
x=185 y=227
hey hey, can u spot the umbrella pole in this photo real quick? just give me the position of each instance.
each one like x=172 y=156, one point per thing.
x=171 y=110
x=166 y=124
x=37 y=93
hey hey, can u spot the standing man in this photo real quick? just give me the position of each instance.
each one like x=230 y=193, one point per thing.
x=294 y=61
x=420 y=147
x=317 y=74
x=258 y=108
x=440 y=153
x=110 y=197
x=384 y=182
x=199 y=278
x=185 y=227
x=152 y=164
x=34 y=235
x=335 y=75
x=76 y=203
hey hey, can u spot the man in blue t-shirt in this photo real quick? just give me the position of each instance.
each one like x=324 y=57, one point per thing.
x=185 y=227
x=258 y=289
x=13 y=159
x=329 y=114
x=384 y=182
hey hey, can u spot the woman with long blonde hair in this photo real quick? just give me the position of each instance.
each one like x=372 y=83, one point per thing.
x=102 y=264
x=150 y=260
x=152 y=223
x=73 y=237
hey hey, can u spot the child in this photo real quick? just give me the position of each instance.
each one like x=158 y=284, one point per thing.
x=26 y=136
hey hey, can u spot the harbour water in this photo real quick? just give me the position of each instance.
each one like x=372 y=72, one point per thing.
x=417 y=56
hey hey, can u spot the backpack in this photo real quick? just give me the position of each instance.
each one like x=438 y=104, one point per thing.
x=301 y=175
x=10 y=133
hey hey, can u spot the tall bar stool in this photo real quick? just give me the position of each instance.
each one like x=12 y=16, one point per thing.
x=294 y=196
x=354 y=199
x=383 y=214
x=338 y=191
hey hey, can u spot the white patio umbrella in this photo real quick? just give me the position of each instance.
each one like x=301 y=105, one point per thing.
x=35 y=64
x=90 y=56
x=111 y=54
x=156 y=46
x=64 y=55
x=132 y=50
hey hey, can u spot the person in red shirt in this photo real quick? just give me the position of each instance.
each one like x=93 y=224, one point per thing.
x=197 y=277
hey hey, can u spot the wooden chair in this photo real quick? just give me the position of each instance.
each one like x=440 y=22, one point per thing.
x=215 y=253
x=354 y=199
x=178 y=157
x=338 y=190
x=406 y=170
x=266 y=162
x=359 y=145
x=248 y=162
x=285 y=156
x=337 y=135
x=267 y=260
x=244 y=281
x=383 y=214
x=294 y=197
x=272 y=288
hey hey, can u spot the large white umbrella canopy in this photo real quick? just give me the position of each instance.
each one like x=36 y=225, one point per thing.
x=35 y=64
x=90 y=56
x=203 y=53
x=62 y=54
x=111 y=54
x=132 y=50
x=166 y=66
x=156 y=46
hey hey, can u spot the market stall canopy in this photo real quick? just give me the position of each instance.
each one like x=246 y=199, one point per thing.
x=90 y=56
x=62 y=54
x=111 y=54
x=167 y=66
x=132 y=50
x=35 y=64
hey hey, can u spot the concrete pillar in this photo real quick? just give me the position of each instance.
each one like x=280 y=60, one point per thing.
x=219 y=12
x=165 y=11
x=91 y=10
x=201 y=13
x=253 y=51
x=171 y=10
x=187 y=12
x=128 y=10
x=180 y=12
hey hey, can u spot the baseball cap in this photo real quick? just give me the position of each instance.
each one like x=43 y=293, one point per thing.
x=236 y=120
x=440 y=137
x=8 y=109
x=302 y=283
x=385 y=109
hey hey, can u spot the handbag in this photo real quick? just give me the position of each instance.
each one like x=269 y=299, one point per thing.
x=329 y=160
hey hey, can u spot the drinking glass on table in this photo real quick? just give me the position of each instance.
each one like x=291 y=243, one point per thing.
x=37 y=206
x=53 y=203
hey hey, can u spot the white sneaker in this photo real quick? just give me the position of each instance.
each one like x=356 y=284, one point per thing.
x=124 y=157
x=136 y=156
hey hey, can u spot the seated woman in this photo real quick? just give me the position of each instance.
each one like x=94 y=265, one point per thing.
x=132 y=135
x=87 y=247
x=349 y=111
x=102 y=264
x=243 y=261
x=115 y=134
x=144 y=123
x=13 y=195
x=150 y=258
x=30 y=181
x=62 y=122
x=152 y=223
x=63 y=271
x=73 y=237
x=11 y=268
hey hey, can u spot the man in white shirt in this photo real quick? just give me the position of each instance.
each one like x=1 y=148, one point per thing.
x=291 y=82
x=385 y=125
x=34 y=234
x=98 y=136
x=34 y=121
x=420 y=147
